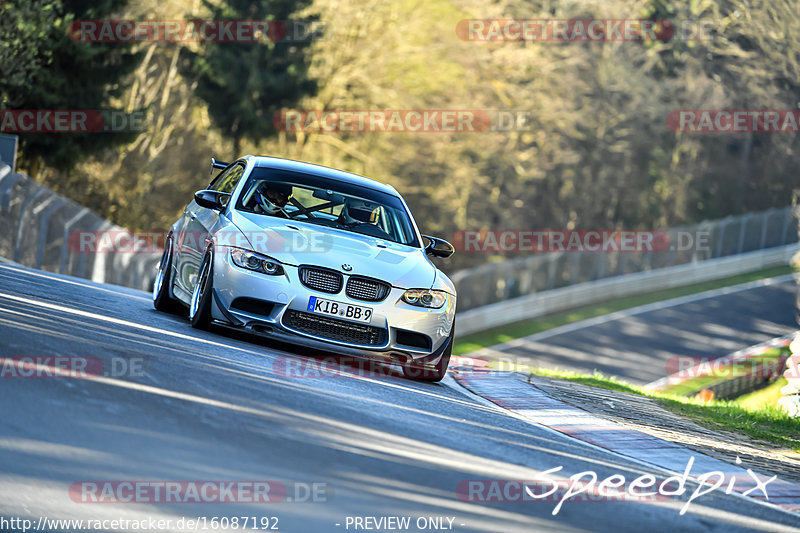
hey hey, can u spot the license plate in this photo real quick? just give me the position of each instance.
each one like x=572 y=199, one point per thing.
x=339 y=309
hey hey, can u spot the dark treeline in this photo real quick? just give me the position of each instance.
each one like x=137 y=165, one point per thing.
x=596 y=150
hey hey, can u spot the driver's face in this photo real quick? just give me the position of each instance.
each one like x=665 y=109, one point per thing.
x=278 y=198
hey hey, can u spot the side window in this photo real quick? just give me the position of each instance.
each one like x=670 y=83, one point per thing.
x=216 y=181
x=227 y=181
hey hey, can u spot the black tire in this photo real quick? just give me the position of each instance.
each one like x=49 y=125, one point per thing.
x=162 y=301
x=200 y=307
x=440 y=370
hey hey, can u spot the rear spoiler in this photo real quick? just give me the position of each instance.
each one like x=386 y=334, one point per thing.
x=218 y=164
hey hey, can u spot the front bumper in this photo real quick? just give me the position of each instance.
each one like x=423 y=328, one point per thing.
x=274 y=298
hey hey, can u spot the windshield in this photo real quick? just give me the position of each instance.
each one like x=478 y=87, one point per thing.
x=326 y=202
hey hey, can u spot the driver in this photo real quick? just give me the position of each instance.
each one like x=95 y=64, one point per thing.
x=358 y=212
x=272 y=197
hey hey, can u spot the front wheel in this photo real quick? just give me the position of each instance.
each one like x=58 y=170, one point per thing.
x=200 y=307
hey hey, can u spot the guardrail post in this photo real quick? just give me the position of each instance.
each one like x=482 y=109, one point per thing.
x=551 y=270
x=703 y=226
x=575 y=267
x=723 y=224
x=64 y=246
x=742 y=231
x=623 y=262
x=602 y=265
x=126 y=259
x=99 y=264
x=764 y=226
x=9 y=179
x=43 y=226
x=21 y=226
x=137 y=273
x=786 y=218
x=647 y=260
x=82 y=262
x=672 y=246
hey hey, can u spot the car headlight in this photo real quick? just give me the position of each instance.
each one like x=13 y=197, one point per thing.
x=256 y=262
x=425 y=298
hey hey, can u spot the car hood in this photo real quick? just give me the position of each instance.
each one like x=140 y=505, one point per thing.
x=297 y=243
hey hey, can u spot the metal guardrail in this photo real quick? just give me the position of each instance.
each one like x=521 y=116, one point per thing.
x=556 y=300
x=541 y=272
x=732 y=375
x=35 y=228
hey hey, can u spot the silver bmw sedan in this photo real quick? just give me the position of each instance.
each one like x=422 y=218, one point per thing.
x=312 y=256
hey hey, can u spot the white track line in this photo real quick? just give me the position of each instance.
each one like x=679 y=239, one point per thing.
x=633 y=311
x=80 y=282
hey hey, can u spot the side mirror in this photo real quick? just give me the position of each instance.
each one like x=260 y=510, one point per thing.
x=212 y=199
x=438 y=247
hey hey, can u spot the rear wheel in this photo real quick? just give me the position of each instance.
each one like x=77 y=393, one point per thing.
x=200 y=307
x=162 y=301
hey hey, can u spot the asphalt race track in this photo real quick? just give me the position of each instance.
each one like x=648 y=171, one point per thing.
x=638 y=344
x=215 y=406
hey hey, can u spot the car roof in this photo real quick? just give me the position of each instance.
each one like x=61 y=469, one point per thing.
x=319 y=170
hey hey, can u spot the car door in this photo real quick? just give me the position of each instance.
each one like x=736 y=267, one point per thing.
x=186 y=243
x=201 y=222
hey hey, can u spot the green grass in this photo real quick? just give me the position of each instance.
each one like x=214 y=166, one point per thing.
x=706 y=376
x=745 y=415
x=766 y=397
x=596 y=379
x=476 y=341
